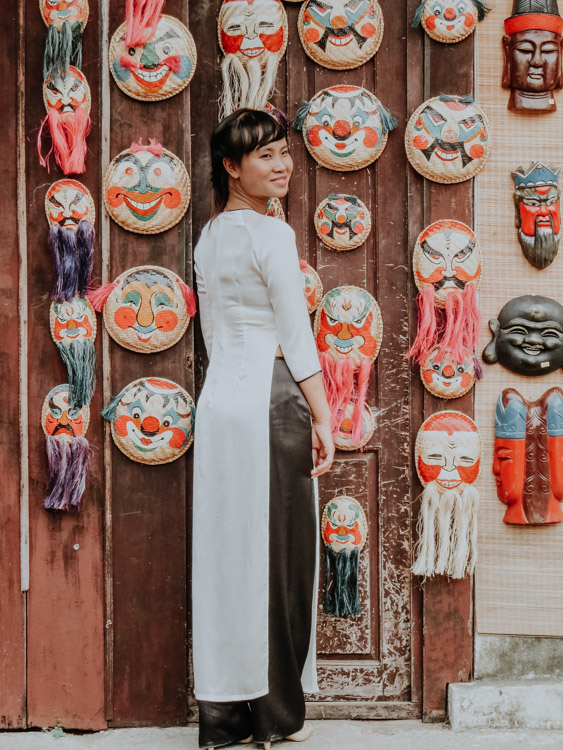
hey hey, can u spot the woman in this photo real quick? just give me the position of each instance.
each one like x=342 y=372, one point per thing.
x=263 y=436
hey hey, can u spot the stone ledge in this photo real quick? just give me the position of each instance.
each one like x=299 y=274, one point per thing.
x=523 y=704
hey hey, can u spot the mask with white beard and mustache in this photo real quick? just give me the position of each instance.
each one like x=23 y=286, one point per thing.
x=538 y=217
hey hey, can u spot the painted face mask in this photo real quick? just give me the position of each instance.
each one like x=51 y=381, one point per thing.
x=449 y=21
x=528 y=461
x=340 y=34
x=146 y=309
x=67 y=203
x=68 y=451
x=67 y=101
x=447 y=272
x=348 y=332
x=344 y=438
x=527 y=336
x=344 y=127
x=71 y=213
x=538 y=212
x=342 y=221
x=152 y=420
x=447 y=139
x=65 y=23
x=147 y=189
x=73 y=328
x=158 y=68
x=448 y=458
x=446 y=378
x=312 y=286
x=344 y=528
x=275 y=209
x=253 y=39
x=532 y=55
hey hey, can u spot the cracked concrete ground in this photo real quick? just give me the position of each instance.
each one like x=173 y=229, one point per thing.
x=328 y=735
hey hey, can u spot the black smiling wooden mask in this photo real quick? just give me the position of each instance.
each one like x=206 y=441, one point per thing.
x=527 y=336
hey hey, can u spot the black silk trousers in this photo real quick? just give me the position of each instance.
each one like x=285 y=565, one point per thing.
x=293 y=531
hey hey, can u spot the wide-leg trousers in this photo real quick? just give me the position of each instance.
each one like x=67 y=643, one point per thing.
x=292 y=562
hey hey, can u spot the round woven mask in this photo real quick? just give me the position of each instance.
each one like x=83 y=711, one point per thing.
x=146 y=311
x=312 y=286
x=66 y=95
x=67 y=203
x=338 y=34
x=146 y=189
x=255 y=31
x=59 y=420
x=444 y=378
x=56 y=12
x=275 y=209
x=160 y=68
x=152 y=420
x=449 y=21
x=343 y=438
x=72 y=321
x=343 y=129
x=448 y=139
x=348 y=325
x=344 y=524
x=448 y=451
x=342 y=221
x=447 y=256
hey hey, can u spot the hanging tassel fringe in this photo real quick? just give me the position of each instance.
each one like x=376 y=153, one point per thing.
x=99 y=295
x=73 y=257
x=68 y=140
x=302 y=113
x=467 y=99
x=62 y=49
x=341 y=596
x=366 y=368
x=68 y=464
x=189 y=298
x=452 y=339
x=478 y=369
x=388 y=122
x=142 y=18
x=482 y=9
x=417 y=18
x=80 y=360
x=426 y=332
x=447 y=528
x=109 y=411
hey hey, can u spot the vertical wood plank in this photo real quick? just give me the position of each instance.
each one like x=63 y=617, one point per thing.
x=448 y=612
x=65 y=601
x=149 y=502
x=12 y=601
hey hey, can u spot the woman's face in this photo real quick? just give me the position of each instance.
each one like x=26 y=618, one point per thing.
x=265 y=172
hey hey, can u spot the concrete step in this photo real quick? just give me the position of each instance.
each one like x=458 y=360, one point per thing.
x=522 y=704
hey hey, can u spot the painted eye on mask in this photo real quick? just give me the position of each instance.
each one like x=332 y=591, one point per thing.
x=56 y=413
x=357 y=121
x=332 y=321
x=462 y=255
x=73 y=413
x=461 y=7
x=434 y=257
x=167 y=421
x=436 y=10
x=436 y=118
x=326 y=121
x=136 y=413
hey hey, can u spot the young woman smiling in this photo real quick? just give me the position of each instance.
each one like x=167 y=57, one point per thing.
x=263 y=437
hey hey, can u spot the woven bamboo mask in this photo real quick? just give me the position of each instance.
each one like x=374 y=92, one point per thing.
x=152 y=420
x=146 y=309
x=344 y=127
x=348 y=325
x=312 y=286
x=158 y=69
x=344 y=439
x=61 y=421
x=253 y=39
x=342 y=221
x=448 y=139
x=66 y=95
x=447 y=257
x=275 y=209
x=444 y=377
x=67 y=203
x=449 y=21
x=340 y=35
x=72 y=321
x=146 y=189
x=56 y=12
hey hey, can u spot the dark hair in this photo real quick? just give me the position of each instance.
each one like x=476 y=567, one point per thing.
x=236 y=135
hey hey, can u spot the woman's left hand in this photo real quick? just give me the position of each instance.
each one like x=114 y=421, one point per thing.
x=323 y=448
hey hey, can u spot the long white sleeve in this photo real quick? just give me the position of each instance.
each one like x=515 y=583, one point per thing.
x=204 y=310
x=279 y=264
